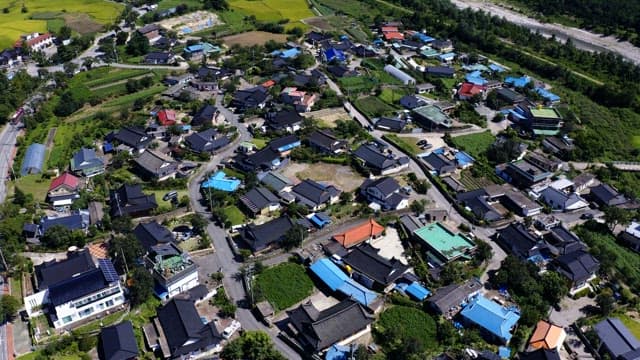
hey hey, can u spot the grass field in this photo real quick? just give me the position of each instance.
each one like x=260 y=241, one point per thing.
x=80 y=15
x=635 y=141
x=406 y=143
x=253 y=38
x=393 y=96
x=234 y=215
x=406 y=323
x=275 y=10
x=284 y=285
x=474 y=144
x=632 y=324
x=35 y=185
x=373 y=107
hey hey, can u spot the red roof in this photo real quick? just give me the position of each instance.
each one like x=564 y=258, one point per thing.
x=65 y=179
x=357 y=234
x=36 y=40
x=269 y=83
x=393 y=36
x=469 y=89
x=386 y=29
x=167 y=117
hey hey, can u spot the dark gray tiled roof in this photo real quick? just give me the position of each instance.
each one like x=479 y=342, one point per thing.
x=118 y=342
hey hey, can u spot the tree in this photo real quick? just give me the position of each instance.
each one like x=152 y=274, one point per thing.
x=293 y=237
x=452 y=272
x=141 y=287
x=346 y=197
x=216 y=4
x=483 y=252
x=125 y=250
x=122 y=37
x=64 y=32
x=614 y=215
x=70 y=68
x=20 y=198
x=137 y=45
x=418 y=206
x=9 y=306
x=57 y=237
x=251 y=345
x=555 y=286
x=605 y=301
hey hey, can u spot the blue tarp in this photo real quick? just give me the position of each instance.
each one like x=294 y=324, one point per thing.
x=220 y=181
x=107 y=147
x=33 y=159
x=417 y=291
x=337 y=280
x=338 y=352
x=491 y=316
x=517 y=82
x=547 y=95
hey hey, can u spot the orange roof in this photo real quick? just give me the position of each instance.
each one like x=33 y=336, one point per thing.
x=389 y=29
x=393 y=36
x=547 y=336
x=268 y=83
x=99 y=250
x=469 y=89
x=359 y=233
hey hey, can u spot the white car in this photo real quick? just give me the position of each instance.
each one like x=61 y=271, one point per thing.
x=231 y=329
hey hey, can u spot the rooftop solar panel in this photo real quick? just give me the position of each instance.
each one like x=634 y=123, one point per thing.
x=108 y=270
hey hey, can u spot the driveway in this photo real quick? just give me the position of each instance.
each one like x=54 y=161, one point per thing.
x=223 y=259
x=571 y=310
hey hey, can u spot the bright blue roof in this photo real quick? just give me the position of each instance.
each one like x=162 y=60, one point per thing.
x=504 y=352
x=337 y=280
x=424 y=38
x=447 y=56
x=320 y=219
x=517 y=81
x=338 y=352
x=475 y=77
x=194 y=48
x=219 y=181
x=547 y=95
x=491 y=316
x=333 y=53
x=33 y=159
x=417 y=291
x=107 y=147
x=496 y=68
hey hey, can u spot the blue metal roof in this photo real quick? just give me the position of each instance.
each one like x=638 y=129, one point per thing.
x=33 y=159
x=337 y=280
x=547 y=95
x=424 y=38
x=320 y=219
x=496 y=68
x=447 y=56
x=418 y=291
x=475 y=77
x=504 y=352
x=517 y=82
x=491 y=316
x=332 y=53
x=219 y=181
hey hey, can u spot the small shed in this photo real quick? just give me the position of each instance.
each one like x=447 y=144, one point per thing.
x=266 y=311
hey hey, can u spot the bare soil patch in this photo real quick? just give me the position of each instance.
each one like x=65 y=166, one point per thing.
x=253 y=38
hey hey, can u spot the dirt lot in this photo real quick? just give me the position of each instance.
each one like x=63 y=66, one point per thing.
x=341 y=176
x=318 y=22
x=82 y=23
x=253 y=38
x=328 y=117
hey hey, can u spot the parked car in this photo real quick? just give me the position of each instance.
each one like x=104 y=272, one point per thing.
x=170 y=195
x=587 y=216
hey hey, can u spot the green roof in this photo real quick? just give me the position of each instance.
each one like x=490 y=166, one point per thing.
x=429 y=52
x=445 y=243
x=546 y=132
x=548 y=113
x=434 y=114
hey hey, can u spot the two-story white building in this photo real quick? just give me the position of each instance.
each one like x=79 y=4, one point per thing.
x=78 y=297
x=174 y=271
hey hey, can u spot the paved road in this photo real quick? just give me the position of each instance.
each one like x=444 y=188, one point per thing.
x=7 y=146
x=223 y=257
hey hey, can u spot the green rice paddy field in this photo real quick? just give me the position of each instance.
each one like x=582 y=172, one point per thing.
x=81 y=15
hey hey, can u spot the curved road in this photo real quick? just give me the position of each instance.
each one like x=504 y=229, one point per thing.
x=223 y=257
